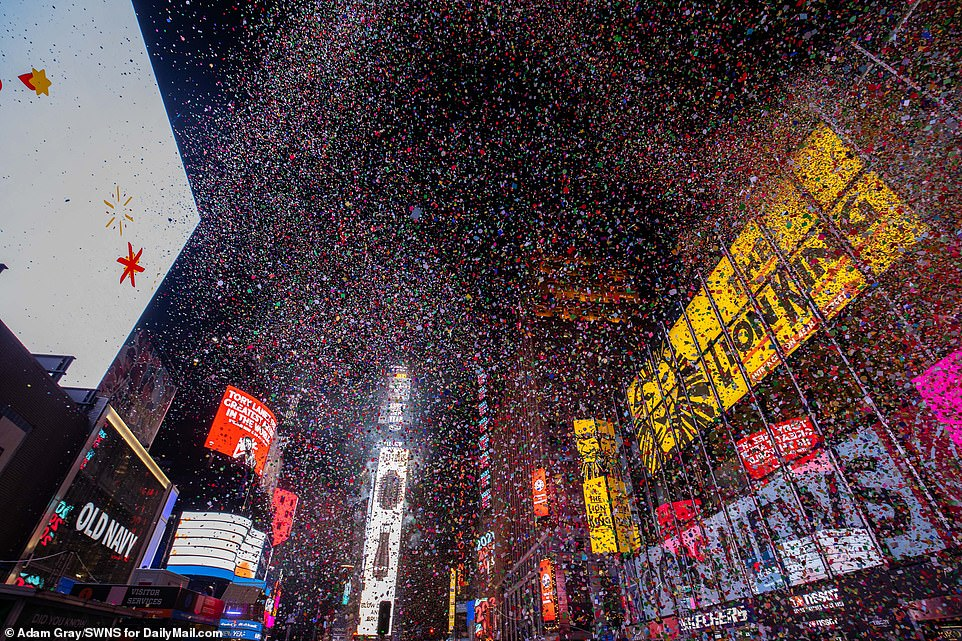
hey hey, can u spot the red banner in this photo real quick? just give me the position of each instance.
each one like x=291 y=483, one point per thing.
x=794 y=438
x=285 y=504
x=539 y=488
x=548 y=602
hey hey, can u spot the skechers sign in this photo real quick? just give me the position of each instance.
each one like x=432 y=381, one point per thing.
x=101 y=527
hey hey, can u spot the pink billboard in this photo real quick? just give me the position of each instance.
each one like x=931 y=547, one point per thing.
x=940 y=386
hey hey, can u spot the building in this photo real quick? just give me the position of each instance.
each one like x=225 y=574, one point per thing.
x=795 y=425
x=540 y=574
x=377 y=606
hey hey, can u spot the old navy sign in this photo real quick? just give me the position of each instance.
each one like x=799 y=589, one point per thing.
x=103 y=529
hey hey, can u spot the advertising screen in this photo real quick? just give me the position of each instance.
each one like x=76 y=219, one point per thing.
x=485 y=619
x=139 y=387
x=382 y=536
x=96 y=205
x=484 y=546
x=880 y=228
x=216 y=544
x=549 y=604
x=539 y=491
x=103 y=521
x=793 y=439
x=452 y=600
x=940 y=387
x=601 y=527
x=285 y=506
x=243 y=429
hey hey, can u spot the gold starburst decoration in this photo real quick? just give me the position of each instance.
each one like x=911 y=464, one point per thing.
x=118 y=211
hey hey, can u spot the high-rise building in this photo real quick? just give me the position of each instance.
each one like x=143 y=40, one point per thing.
x=385 y=513
x=545 y=577
x=795 y=423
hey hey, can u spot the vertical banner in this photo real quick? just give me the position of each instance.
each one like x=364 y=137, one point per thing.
x=452 y=599
x=549 y=604
x=601 y=528
x=539 y=491
x=595 y=443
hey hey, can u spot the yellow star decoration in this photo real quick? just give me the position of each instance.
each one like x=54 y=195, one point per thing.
x=40 y=82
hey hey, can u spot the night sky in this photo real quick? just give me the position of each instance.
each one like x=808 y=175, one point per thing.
x=372 y=178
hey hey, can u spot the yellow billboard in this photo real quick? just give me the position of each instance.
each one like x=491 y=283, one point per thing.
x=879 y=228
x=452 y=598
x=626 y=530
x=601 y=528
x=610 y=524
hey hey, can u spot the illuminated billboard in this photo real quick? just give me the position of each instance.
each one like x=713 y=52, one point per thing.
x=484 y=441
x=96 y=205
x=452 y=600
x=382 y=538
x=611 y=525
x=243 y=429
x=549 y=604
x=484 y=546
x=485 y=619
x=139 y=387
x=539 y=491
x=793 y=438
x=879 y=227
x=285 y=506
x=100 y=523
x=216 y=544
x=395 y=406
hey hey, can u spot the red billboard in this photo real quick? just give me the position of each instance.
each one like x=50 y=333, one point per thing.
x=285 y=504
x=243 y=429
x=794 y=438
x=539 y=489
x=548 y=601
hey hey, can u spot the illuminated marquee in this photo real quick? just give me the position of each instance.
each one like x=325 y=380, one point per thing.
x=216 y=544
x=484 y=441
x=879 y=227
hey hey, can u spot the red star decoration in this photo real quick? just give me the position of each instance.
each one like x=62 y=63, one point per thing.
x=130 y=264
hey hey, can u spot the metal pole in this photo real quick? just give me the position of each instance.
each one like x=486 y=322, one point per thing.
x=729 y=430
x=678 y=446
x=783 y=468
x=654 y=521
x=629 y=488
x=701 y=442
x=783 y=358
x=682 y=467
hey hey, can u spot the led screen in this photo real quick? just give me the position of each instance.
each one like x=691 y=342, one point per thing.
x=96 y=205
x=243 y=429
x=382 y=540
